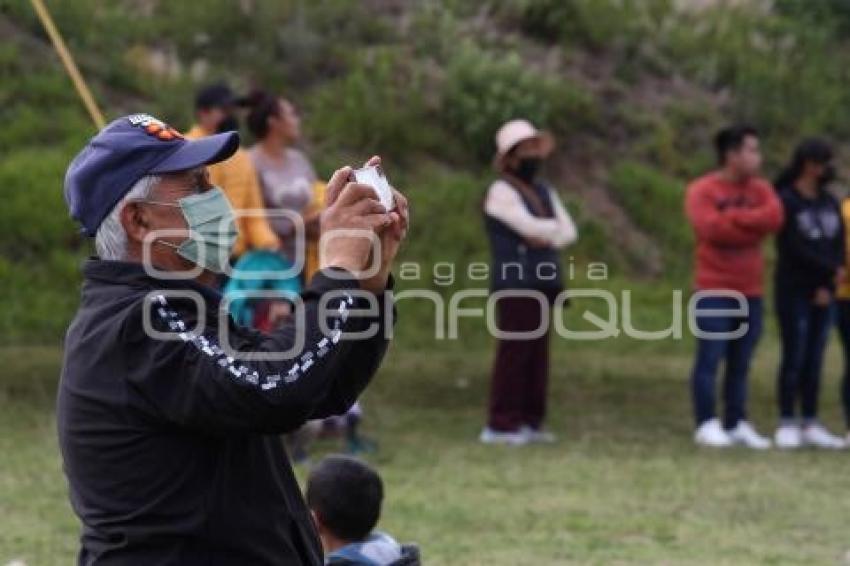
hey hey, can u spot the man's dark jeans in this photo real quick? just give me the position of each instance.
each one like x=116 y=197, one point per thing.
x=736 y=352
x=804 y=328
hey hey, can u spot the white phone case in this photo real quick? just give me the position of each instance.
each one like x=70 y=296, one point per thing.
x=375 y=178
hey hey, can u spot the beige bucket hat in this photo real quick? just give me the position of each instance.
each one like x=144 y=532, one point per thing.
x=516 y=131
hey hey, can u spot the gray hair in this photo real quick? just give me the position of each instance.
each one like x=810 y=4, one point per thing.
x=111 y=239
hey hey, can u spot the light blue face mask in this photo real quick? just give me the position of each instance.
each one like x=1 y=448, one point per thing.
x=212 y=226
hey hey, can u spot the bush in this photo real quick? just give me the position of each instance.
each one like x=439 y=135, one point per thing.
x=833 y=14
x=481 y=92
x=594 y=241
x=787 y=76
x=378 y=107
x=655 y=203
x=425 y=84
x=594 y=24
x=39 y=296
x=34 y=219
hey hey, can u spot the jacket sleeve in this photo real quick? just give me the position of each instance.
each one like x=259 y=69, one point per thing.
x=258 y=233
x=567 y=232
x=766 y=217
x=361 y=364
x=715 y=225
x=193 y=381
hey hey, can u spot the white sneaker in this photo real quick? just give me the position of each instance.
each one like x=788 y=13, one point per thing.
x=816 y=435
x=538 y=435
x=788 y=437
x=745 y=435
x=710 y=433
x=490 y=436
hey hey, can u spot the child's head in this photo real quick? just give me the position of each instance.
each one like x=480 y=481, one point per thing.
x=345 y=497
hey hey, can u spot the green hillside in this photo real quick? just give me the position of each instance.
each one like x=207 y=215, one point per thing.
x=632 y=91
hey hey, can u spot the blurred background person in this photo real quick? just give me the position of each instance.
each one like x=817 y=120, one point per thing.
x=288 y=182
x=842 y=296
x=810 y=259
x=286 y=176
x=216 y=112
x=526 y=224
x=345 y=497
x=732 y=211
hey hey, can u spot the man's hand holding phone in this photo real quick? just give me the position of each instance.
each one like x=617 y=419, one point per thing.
x=376 y=229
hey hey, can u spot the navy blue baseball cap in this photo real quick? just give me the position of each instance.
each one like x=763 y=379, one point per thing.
x=125 y=151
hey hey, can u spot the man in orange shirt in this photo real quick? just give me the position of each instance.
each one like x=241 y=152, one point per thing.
x=215 y=112
x=732 y=211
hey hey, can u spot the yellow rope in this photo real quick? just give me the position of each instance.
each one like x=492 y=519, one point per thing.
x=68 y=61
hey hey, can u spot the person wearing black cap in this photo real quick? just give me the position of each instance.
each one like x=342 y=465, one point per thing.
x=215 y=112
x=168 y=413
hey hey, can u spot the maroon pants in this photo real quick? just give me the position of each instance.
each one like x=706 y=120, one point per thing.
x=521 y=367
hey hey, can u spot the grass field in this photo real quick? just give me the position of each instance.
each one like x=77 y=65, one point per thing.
x=624 y=485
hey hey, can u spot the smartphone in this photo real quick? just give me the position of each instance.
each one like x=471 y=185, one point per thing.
x=375 y=178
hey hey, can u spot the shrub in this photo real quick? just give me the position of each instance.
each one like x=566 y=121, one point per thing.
x=594 y=24
x=39 y=296
x=787 y=76
x=594 y=243
x=481 y=92
x=377 y=107
x=34 y=219
x=655 y=203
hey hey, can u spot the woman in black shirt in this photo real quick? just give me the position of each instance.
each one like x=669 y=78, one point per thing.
x=810 y=258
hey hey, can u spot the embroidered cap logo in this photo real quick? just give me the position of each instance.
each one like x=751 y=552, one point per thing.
x=155 y=127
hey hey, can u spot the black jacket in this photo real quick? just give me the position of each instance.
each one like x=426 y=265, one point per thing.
x=810 y=247
x=170 y=446
x=516 y=265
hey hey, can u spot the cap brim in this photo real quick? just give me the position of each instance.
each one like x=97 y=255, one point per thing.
x=202 y=151
x=543 y=137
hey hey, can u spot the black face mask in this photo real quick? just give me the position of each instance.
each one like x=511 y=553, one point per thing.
x=229 y=124
x=828 y=175
x=528 y=168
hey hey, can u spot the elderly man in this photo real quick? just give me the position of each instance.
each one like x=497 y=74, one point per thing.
x=168 y=419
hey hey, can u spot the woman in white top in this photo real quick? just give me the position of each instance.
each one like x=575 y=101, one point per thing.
x=526 y=224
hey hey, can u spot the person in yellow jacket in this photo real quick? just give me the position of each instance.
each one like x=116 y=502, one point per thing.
x=316 y=206
x=842 y=298
x=215 y=112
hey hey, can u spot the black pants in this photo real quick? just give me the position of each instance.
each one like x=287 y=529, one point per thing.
x=521 y=368
x=804 y=328
x=844 y=332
